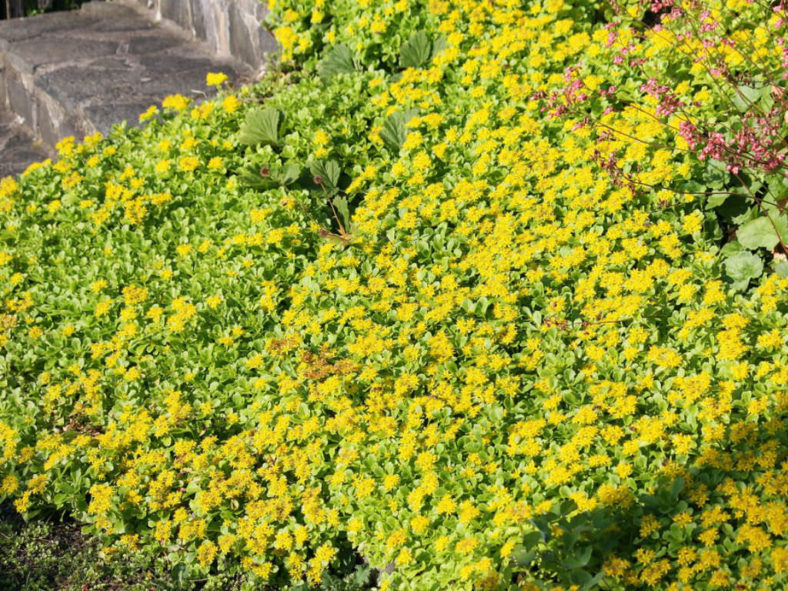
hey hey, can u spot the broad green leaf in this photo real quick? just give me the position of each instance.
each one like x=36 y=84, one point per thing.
x=676 y=487
x=731 y=248
x=758 y=233
x=715 y=175
x=716 y=199
x=437 y=46
x=780 y=220
x=532 y=538
x=523 y=557
x=338 y=60
x=744 y=266
x=735 y=208
x=394 y=129
x=287 y=173
x=340 y=203
x=745 y=97
x=251 y=176
x=781 y=268
x=326 y=173
x=416 y=51
x=579 y=559
x=261 y=126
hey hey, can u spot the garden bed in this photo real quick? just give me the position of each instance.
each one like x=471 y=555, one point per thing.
x=461 y=297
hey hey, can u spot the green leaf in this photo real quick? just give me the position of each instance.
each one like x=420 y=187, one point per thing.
x=730 y=249
x=532 y=538
x=327 y=172
x=744 y=266
x=261 y=126
x=781 y=268
x=287 y=174
x=716 y=199
x=758 y=233
x=523 y=557
x=715 y=175
x=746 y=97
x=734 y=209
x=394 y=129
x=340 y=203
x=338 y=60
x=437 y=46
x=252 y=177
x=579 y=559
x=416 y=51
x=676 y=487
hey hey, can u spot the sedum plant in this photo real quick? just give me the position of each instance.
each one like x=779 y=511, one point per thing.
x=446 y=304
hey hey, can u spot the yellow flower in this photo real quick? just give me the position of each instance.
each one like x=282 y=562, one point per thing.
x=466 y=546
x=230 y=103
x=216 y=78
x=188 y=163
x=152 y=110
x=206 y=553
x=176 y=102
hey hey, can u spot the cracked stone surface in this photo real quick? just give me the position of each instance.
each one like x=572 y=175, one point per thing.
x=74 y=73
x=17 y=148
x=228 y=26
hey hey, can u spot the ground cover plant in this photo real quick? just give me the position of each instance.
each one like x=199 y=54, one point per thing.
x=467 y=295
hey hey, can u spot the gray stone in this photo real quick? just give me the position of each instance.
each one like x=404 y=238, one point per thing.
x=25 y=28
x=171 y=64
x=199 y=20
x=17 y=147
x=19 y=99
x=152 y=43
x=215 y=18
x=109 y=11
x=104 y=117
x=50 y=50
x=124 y=25
x=3 y=95
x=84 y=71
x=177 y=11
x=74 y=85
x=242 y=39
x=229 y=27
x=268 y=43
x=53 y=123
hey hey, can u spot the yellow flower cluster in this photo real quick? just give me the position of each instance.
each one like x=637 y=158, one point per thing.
x=514 y=369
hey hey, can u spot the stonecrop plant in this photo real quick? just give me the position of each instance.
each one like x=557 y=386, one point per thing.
x=467 y=295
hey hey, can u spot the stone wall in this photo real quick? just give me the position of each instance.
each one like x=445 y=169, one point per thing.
x=229 y=27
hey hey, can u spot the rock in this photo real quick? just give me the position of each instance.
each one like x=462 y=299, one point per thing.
x=17 y=147
x=73 y=73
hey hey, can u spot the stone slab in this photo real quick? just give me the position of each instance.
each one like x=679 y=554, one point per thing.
x=18 y=150
x=78 y=72
x=229 y=27
x=19 y=96
x=19 y=29
x=105 y=116
x=152 y=43
x=51 y=49
x=177 y=11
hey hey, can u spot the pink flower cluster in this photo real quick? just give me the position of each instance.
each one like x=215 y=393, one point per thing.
x=669 y=103
x=755 y=145
x=560 y=103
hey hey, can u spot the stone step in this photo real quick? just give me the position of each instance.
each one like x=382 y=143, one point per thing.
x=18 y=149
x=229 y=27
x=75 y=73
